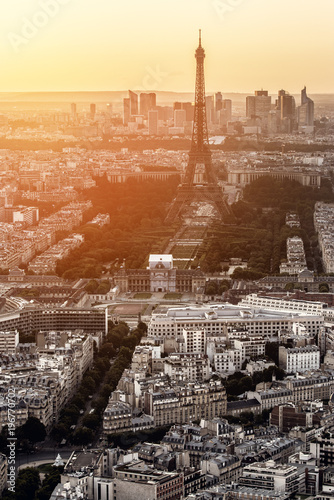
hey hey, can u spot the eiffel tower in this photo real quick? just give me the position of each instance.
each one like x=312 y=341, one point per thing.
x=200 y=183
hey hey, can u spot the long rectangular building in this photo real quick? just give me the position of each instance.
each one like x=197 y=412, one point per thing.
x=278 y=304
x=31 y=319
x=218 y=320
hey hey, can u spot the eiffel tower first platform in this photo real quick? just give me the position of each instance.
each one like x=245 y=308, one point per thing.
x=200 y=183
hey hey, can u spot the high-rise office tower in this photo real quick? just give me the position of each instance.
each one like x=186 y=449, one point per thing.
x=258 y=105
x=180 y=116
x=92 y=111
x=148 y=102
x=165 y=113
x=286 y=108
x=153 y=122
x=218 y=101
x=126 y=110
x=74 y=115
x=210 y=108
x=305 y=110
x=188 y=107
x=225 y=114
x=133 y=103
x=286 y=105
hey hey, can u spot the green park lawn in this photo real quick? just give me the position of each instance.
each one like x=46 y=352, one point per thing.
x=142 y=295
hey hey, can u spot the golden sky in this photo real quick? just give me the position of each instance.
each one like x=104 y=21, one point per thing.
x=149 y=44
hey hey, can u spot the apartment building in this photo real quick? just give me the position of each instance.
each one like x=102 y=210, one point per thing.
x=299 y=359
x=318 y=386
x=9 y=341
x=226 y=468
x=187 y=366
x=272 y=476
x=193 y=341
x=117 y=417
x=271 y=397
x=249 y=347
x=183 y=403
x=285 y=417
x=323 y=224
x=138 y=481
x=296 y=260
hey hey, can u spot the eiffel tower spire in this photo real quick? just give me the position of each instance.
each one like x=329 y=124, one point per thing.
x=200 y=183
x=200 y=131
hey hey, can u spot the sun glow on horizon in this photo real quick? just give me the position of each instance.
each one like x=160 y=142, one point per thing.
x=67 y=45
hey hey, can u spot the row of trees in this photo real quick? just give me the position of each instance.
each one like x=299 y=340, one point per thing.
x=248 y=419
x=101 y=380
x=215 y=287
x=27 y=435
x=136 y=210
x=30 y=487
x=259 y=234
x=94 y=286
x=238 y=383
x=127 y=440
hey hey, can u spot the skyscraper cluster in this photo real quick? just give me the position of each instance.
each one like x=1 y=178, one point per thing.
x=281 y=117
x=219 y=110
x=140 y=111
x=143 y=111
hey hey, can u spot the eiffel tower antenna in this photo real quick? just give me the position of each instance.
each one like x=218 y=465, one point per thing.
x=200 y=183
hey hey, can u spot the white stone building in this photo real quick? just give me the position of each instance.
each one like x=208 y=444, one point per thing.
x=162 y=273
x=278 y=304
x=296 y=260
x=300 y=359
x=272 y=476
x=194 y=341
x=187 y=366
x=224 y=361
x=220 y=319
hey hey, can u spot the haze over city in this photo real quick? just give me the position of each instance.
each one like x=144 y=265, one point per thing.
x=68 y=45
x=166 y=250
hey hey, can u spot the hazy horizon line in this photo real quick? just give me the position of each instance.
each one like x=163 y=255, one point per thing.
x=140 y=91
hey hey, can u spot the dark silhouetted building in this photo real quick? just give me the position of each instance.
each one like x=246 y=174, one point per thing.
x=126 y=110
x=133 y=103
x=258 y=105
x=92 y=111
x=285 y=417
x=148 y=102
x=305 y=111
x=286 y=108
x=188 y=107
x=153 y=122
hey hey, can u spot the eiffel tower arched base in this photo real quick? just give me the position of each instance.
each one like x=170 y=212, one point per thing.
x=186 y=195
